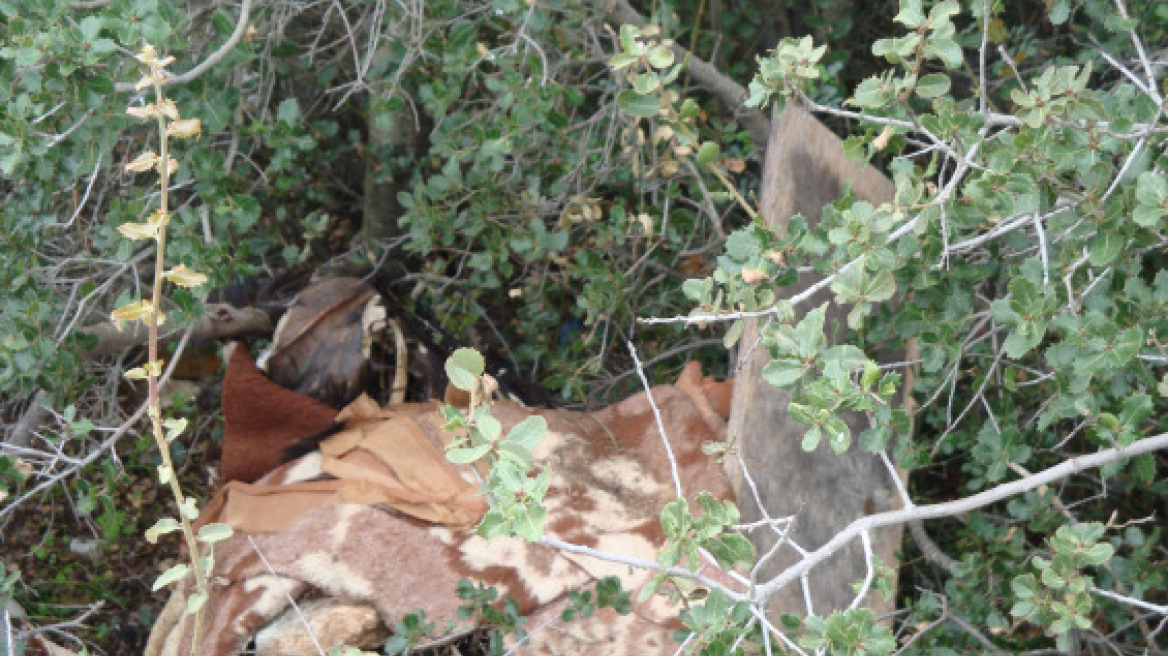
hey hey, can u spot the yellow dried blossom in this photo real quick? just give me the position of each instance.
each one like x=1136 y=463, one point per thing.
x=183 y=128
x=143 y=111
x=138 y=231
x=143 y=162
x=168 y=109
x=184 y=277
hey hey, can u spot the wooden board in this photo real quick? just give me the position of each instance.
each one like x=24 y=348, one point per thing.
x=806 y=169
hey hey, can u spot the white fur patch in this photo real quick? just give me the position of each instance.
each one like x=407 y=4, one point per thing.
x=627 y=473
x=609 y=514
x=334 y=576
x=516 y=554
x=442 y=534
x=273 y=591
x=340 y=530
x=500 y=552
x=550 y=443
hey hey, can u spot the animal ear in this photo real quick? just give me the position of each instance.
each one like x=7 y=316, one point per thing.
x=262 y=419
x=455 y=397
x=319 y=348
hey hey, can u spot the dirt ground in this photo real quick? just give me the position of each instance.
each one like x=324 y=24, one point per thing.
x=68 y=563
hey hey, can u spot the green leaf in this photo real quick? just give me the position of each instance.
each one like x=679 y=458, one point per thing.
x=622 y=60
x=910 y=14
x=808 y=335
x=530 y=524
x=1023 y=609
x=933 y=85
x=944 y=10
x=1136 y=408
x=1060 y=12
x=488 y=426
x=90 y=27
x=698 y=290
x=650 y=587
x=527 y=434
x=1106 y=247
x=171 y=575
x=1147 y=216
x=636 y=104
x=1025 y=586
x=670 y=76
x=628 y=38
x=222 y=23
x=196 y=602
x=1018 y=344
x=733 y=334
x=870 y=375
x=674 y=515
x=875 y=440
x=811 y=439
x=464 y=367
x=661 y=57
x=946 y=50
x=743 y=245
x=396 y=644
x=731 y=550
x=783 y=372
x=162 y=527
x=1151 y=199
x=689 y=109
x=1052 y=580
x=848 y=357
x=839 y=436
x=492 y=524
x=857 y=284
x=211 y=533
x=467 y=455
x=872 y=94
x=646 y=83
x=510 y=474
x=288 y=112
x=103 y=46
x=1099 y=554
x=708 y=153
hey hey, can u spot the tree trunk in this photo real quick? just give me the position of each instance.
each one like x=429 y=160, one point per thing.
x=391 y=135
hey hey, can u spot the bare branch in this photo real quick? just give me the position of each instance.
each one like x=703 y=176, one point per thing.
x=642 y=564
x=660 y=423
x=212 y=59
x=107 y=445
x=219 y=321
x=951 y=508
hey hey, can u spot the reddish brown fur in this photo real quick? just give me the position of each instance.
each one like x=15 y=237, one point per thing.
x=262 y=420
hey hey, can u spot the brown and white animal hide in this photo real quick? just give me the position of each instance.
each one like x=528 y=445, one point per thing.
x=610 y=478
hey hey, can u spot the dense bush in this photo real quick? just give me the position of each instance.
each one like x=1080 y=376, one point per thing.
x=1026 y=250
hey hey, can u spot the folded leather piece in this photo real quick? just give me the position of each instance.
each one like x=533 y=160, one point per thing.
x=384 y=459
